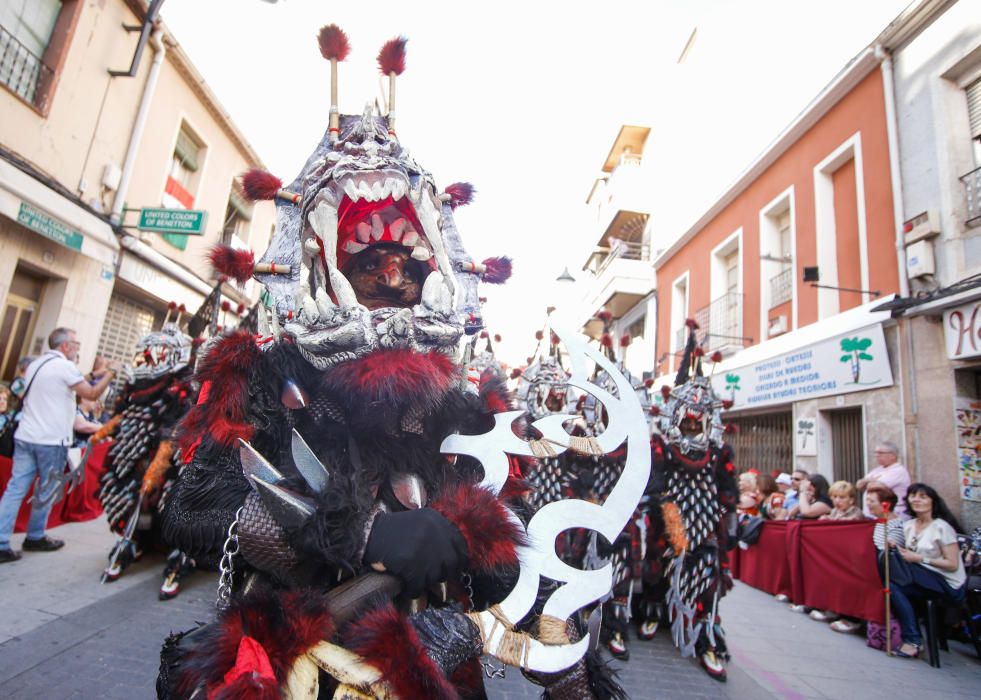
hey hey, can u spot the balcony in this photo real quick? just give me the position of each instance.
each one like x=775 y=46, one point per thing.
x=623 y=275
x=721 y=324
x=972 y=185
x=20 y=70
x=781 y=287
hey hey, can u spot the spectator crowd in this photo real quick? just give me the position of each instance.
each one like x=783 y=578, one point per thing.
x=916 y=537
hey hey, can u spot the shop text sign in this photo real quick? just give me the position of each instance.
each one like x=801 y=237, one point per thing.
x=52 y=229
x=853 y=361
x=189 y=222
x=962 y=331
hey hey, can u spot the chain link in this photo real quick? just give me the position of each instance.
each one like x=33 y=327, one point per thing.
x=490 y=670
x=227 y=565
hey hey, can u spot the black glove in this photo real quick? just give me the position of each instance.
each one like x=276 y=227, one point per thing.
x=419 y=546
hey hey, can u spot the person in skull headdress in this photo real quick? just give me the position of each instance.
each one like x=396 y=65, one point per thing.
x=317 y=458
x=693 y=492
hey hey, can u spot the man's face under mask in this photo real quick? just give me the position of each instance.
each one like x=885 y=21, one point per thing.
x=385 y=276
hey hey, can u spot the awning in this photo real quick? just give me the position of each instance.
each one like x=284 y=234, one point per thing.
x=40 y=209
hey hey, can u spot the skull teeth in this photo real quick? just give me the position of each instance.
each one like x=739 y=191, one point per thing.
x=420 y=253
x=363 y=232
x=377 y=227
x=397 y=228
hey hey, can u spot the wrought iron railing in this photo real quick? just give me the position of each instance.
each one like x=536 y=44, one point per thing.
x=972 y=183
x=721 y=322
x=21 y=70
x=781 y=287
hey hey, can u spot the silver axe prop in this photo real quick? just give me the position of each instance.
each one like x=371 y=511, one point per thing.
x=627 y=424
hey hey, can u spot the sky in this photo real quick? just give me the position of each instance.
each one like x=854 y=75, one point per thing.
x=524 y=100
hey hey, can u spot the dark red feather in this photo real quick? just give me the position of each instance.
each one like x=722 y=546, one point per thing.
x=607 y=340
x=387 y=641
x=391 y=58
x=539 y=335
x=655 y=410
x=726 y=404
x=460 y=193
x=333 y=43
x=497 y=337
x=648 y=383
x=492 y=536
x=258 y=185
x=691 y=324
x=605 y=316
x=699 y=351
x=625 y=340
x=237 y=264
x=172 y=306
x=497 y=270
x=716 y=356
x=226 y=306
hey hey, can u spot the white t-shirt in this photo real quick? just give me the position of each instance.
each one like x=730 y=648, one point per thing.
x=929 y=542
x=48 y=414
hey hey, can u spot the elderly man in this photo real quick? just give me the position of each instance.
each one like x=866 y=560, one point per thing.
x=43 y=436
x=890 y=473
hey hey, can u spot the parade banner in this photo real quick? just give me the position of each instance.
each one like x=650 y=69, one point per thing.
x=845 y=363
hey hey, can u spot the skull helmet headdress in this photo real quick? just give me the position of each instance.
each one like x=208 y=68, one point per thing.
x=691 y=420
x=162 y=352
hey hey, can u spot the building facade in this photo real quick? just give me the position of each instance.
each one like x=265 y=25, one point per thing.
x=781 y=275
x=82 y=151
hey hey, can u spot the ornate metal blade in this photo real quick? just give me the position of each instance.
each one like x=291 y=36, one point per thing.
x=254 y=465
x=311 y=469
x=288 y=508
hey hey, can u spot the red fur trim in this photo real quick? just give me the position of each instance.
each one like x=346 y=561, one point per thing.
x=284 y=623
x=391 y=58
x=387 y=641
x=496 y=270
x=248 y=687
x=237 y=264
x=492 y=536
x=259 y=185
x=655 y=410
x=461 y=193
x=333 y=42
x=221 y=414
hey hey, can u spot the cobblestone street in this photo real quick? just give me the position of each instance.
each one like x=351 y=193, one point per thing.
x=64 y=635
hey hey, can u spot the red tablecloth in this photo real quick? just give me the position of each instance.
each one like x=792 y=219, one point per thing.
x=822 y=564
x=78 y=506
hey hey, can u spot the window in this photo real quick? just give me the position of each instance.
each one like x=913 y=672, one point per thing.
x=181 y=180
x=636 y=329
x=26 y=27
x=777 y=265
x=973 y=92
x=679 y=312
x=238 y=214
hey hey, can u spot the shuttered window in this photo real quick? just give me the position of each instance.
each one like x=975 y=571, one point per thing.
x=763 y=442
x=848 y=444
x=973 y=92
x=126 y=322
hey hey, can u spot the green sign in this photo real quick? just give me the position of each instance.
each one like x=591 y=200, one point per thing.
x=53 y=229
x=187 y=222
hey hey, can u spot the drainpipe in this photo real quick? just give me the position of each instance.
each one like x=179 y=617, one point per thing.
x=156 y=41
x=903 y=327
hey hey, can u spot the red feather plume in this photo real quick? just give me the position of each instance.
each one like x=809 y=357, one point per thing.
x=699 y=351
x=460 y=193
x=655 y=410
x=497 y=337
x=391 y=58
x=726 y=404
x=605 y=316
x=240 y=309
x=258 y=185
x=226 y=305
x=333 y=43
x=182 y=308
x=625 y=340
x=691 y=324
x=607 y=340
x=484 y=334
x=648 y=383
x=237 y=264
x=716 y=356
x=539 y=335
x=497 y=270
x=172 y=306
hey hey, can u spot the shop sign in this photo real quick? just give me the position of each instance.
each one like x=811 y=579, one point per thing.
x=189 y=222
x=853 y=361
x=962 y=331
x=50 y=228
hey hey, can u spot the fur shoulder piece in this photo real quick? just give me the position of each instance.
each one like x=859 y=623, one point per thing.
x=492 y=534
x=220 y=413
x=494 y=394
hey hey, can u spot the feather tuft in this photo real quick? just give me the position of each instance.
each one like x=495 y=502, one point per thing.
x=333 y=43
x=699 y=351
x=625 y=340
x=497 y=337
x=226 y=306
x=605 y=316
x=539 y=335
x=172 y=306
x=692 y=324
x=259 y=186
x=461 y=193
x=716 y=356
x=607 y=340
x=391 y=58
x=726 y=404
x=237 y=264
x=492 y=535
x=648 y=383
x=496 y=270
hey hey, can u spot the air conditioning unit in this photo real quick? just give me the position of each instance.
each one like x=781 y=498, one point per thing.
x=919 y=259
x=778 y=325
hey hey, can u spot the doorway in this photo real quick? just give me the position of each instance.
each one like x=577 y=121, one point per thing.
x=19 y=317
x=848 y=444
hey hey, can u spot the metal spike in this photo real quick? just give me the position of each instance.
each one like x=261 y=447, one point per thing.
x=254 y=465
x=287 y=508
x=311 y=469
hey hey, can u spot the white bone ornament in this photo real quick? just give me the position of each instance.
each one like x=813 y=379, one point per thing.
x=627 y=422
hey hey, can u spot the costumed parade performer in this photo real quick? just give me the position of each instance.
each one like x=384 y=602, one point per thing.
x=364 y=493
x=694 y=527
x=143 y=463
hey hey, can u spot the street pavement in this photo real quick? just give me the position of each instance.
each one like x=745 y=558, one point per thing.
x=65 y=635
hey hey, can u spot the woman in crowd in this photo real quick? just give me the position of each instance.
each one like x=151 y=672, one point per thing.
x=749 y=495
x=813 y=499
x=843 y=496
x=771 y=498
x=936 y=569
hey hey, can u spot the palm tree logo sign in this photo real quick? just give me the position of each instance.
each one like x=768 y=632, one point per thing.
x=854 y=353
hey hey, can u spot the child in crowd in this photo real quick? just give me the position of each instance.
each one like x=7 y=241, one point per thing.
x=771 y=498
x=843 y=496
x=749 y=495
